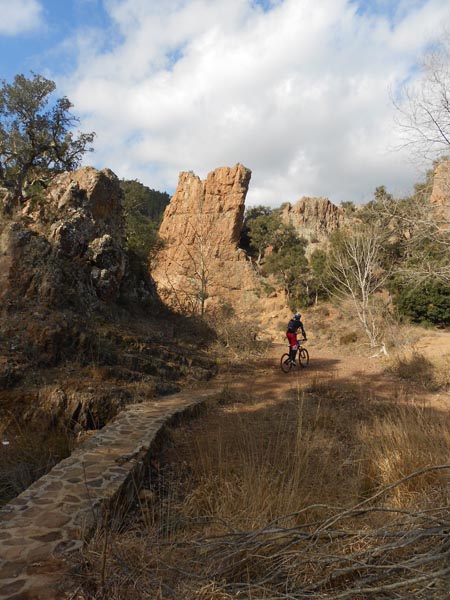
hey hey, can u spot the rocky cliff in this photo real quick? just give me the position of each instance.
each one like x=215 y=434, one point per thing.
x=314 y=219
x=201 y=263
x=73 y=296
x=65 y=247
x=440 y=195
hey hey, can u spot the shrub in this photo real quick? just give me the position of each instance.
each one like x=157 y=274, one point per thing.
x=234 y=334
x=348 y=338
x=426 y=303
x=416 y=368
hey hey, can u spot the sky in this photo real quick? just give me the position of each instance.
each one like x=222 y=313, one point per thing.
x=299 y=91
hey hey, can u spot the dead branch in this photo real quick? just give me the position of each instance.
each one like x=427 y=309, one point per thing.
x=407 y=557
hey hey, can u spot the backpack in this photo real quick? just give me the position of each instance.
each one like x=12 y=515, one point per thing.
x=292 y=326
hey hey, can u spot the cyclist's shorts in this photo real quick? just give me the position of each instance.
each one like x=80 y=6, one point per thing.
x=293 y=343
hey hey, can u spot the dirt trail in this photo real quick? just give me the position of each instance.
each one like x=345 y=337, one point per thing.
x=331 y=365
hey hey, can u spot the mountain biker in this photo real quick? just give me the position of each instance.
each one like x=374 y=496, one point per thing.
x=293 y=326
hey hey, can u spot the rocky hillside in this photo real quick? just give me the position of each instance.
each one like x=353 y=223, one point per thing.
x=73 y=297
x=201 y=265
x=314 y=219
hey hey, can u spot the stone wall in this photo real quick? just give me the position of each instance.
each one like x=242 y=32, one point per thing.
x=58 y=513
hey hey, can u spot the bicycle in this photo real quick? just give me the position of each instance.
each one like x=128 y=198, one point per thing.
x=286 y=363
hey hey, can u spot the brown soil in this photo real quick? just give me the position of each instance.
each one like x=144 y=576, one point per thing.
x=345 y=366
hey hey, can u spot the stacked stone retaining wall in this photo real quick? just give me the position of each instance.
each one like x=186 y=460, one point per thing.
x=59 y=512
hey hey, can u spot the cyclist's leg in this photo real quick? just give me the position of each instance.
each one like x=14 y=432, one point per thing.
x=285 y=363
x=294 y=349
x=293 y=345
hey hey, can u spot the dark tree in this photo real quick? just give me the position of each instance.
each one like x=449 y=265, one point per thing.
x=36 y=137
x=144 y=208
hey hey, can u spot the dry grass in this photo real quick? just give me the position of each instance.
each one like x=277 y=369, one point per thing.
x=406 y=439
x=27 y=453
x=312 y=498
x=416 y=367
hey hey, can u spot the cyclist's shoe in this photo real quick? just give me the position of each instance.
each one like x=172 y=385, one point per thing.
x=293 y=363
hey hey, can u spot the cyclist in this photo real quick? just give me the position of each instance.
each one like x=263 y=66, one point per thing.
x=293 y=326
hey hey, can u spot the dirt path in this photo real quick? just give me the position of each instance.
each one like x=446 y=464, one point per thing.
x=223 y=465
x=369 y=375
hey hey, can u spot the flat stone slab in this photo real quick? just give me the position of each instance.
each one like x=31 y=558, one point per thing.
x=56 y=514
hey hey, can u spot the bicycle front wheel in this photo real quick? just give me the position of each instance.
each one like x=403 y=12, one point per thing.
x=285 y=363
x=303 y=357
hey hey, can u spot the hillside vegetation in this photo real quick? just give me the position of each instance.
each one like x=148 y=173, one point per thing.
x=390 y=257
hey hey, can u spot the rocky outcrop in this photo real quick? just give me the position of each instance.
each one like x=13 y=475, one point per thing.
x=440 y=194
x=66 y=247
x=201 y=263
x=314 y=219
x=63 y=259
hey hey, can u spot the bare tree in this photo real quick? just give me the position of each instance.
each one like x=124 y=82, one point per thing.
x=187 y=285
x=199 y=266
x=424 y=117
x=419 y=228
x=356 y=271
x=424 y=106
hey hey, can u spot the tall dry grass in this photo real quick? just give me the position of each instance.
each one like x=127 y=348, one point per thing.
x=406 y=439
x=26 y=453
x=416 y=367
x=255 y=501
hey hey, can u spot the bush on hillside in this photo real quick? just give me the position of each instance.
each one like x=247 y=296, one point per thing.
x=235 y=334
x=428 y=303
x=144 y=208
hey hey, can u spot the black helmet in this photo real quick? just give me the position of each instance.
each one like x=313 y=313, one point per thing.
x=297 y=316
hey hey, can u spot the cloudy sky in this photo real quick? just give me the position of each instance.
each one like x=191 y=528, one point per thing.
x=299 y=91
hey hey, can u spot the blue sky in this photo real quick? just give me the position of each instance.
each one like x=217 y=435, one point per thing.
x=38 y=46
x=297 y=90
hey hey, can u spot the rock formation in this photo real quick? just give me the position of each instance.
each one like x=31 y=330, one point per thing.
x=440 y=194
x=62 y=260
x=314 y=219
x=66 y=249
x=201 y=263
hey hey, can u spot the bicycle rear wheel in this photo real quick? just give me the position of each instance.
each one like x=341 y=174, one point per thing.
x=285 y=363
x=303 y=357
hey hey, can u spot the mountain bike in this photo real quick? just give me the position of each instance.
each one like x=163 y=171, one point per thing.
x=302 y=357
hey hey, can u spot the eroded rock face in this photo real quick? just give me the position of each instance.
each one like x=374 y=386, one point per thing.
x=90 y=194
x=201 y=228
x=62 y=258
x=314 y=218
x=67 y=249
x=440 y=194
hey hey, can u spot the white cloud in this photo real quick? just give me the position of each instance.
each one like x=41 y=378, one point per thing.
x=19 y=16
x=298 y=93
